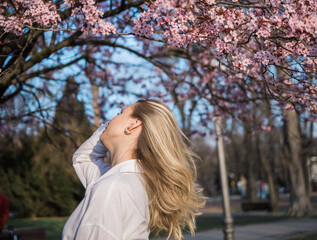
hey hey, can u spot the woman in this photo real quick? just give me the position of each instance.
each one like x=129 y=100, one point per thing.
x=149 y=185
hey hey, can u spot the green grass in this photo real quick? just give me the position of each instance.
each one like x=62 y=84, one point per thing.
x=53 y=226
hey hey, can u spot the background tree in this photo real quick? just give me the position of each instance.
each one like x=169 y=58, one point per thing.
x=36 y=170
x=207 y=167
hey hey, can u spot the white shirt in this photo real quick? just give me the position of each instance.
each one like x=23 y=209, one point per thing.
x=115 y=205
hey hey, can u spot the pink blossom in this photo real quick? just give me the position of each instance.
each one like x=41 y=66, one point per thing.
x=142 y=29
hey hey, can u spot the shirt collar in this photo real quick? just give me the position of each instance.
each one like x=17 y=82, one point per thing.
x=130 y=165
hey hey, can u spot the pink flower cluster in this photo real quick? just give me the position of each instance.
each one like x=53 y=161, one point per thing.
x=265 y=57
x=241 y=61
x=174 y=20
x=250 y=39
x=19 y=15
x=91 y=17
x=28 y=13
x=142 y=29
x=228 y=29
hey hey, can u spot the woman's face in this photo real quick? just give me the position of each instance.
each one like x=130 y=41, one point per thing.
x=115 y=128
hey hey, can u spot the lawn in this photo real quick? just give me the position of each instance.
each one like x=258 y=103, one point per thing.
x=54 y=226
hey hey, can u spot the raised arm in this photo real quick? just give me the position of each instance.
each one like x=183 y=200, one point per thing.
x=88 y=160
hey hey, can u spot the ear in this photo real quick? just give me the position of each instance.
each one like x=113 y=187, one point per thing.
x=135 y=123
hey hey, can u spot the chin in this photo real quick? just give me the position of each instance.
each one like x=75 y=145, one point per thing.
x=103 y=140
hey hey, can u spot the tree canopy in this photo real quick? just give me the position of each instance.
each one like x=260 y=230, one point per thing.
x=234 y=52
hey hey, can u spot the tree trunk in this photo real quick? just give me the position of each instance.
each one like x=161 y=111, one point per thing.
x=268 y=172
x=299 y=199
x=307 y=154
x=95 y=105
x=273 y=157
x=251 y=178
x=180 y=104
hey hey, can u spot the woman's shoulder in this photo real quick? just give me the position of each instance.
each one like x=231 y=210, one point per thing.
x=127 y=182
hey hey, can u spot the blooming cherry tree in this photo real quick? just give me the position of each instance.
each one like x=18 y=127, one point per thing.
x=247 y=37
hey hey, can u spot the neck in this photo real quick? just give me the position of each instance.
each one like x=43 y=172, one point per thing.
x=119 y=155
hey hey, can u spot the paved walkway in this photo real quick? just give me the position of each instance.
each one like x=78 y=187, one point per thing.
x=280 y=230
x=265 y=231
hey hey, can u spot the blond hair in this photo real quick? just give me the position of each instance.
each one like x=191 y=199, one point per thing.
x=169 y=170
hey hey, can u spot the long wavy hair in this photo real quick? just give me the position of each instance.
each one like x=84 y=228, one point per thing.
x=169 y=170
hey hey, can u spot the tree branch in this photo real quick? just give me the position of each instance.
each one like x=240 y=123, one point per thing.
x=46 y=70
x=22 y=66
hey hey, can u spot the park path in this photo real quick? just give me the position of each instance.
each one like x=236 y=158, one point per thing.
x=277 y=230
x=281 y=230
x=265 y=231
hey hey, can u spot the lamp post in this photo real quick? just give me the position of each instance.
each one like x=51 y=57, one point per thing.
x=227 y=218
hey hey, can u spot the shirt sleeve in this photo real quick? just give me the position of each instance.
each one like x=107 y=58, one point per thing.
x=88 y=160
